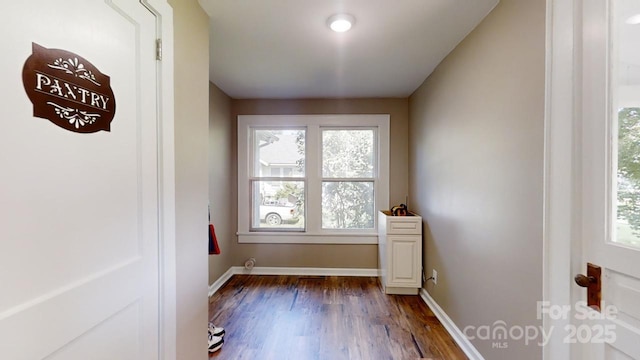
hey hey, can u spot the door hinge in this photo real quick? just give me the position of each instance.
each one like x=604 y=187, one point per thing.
x=158 y=49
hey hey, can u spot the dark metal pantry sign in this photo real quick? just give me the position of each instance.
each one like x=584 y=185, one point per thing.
x=68 y=90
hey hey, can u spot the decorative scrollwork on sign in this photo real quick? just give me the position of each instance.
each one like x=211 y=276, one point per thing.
x=75 y=117
x=68 y=90
x=74 y=67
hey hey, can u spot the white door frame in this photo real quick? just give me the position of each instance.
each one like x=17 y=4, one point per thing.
x=561 y=238
x=166 y=181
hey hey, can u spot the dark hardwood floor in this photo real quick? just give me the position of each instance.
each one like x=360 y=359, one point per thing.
x=324 y=317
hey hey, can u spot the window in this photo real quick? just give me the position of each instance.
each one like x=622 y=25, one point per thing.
x=277 y=196
x=624 y=107
x=312 y=178
x=348 y=181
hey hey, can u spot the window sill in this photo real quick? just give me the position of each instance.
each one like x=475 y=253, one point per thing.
x=299 y=238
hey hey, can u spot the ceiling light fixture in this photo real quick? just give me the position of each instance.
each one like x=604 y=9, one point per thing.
x=341 y=22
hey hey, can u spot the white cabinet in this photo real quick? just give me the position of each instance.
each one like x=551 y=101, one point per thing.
x=400 y=253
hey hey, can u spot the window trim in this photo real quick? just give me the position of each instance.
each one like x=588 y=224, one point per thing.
x=314 y=233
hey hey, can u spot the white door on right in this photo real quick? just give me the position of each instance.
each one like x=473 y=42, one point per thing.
x=610 y=178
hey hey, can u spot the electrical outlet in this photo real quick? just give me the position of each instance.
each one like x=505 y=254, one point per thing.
x=434 y=275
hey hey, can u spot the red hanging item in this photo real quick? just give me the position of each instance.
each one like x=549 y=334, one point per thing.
x=214 y=249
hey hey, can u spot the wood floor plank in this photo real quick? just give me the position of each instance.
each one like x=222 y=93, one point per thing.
x=325 y=318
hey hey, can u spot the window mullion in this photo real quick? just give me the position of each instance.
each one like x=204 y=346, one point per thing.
x=314 y=180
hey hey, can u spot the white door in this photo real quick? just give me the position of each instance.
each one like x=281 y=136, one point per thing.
x=79 y=211
x=610 y=178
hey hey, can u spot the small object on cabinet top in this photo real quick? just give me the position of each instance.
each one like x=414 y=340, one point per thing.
x=400 y=210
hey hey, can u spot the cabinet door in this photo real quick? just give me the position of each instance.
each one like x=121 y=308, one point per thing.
x=404 y=252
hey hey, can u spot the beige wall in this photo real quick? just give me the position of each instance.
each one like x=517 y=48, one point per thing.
x=330 y=256
x=191 y=39
x=476 y=171
x=222 y=184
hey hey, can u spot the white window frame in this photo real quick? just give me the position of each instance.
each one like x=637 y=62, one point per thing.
x=314 y=233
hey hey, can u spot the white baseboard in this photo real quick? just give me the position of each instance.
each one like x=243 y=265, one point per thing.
x=221 y=280
x=301 y=271
x=261 y=270
x=455 y=332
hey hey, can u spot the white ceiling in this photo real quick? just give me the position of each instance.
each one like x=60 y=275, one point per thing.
x=284 y=48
